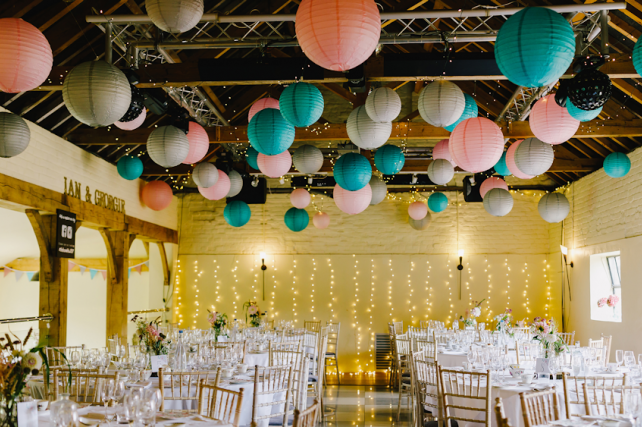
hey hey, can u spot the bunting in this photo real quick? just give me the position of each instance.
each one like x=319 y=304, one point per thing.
x=70 y=264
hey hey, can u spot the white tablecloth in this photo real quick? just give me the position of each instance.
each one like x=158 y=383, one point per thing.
x=257 y=359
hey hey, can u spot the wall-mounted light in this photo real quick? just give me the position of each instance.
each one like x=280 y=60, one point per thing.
x=564 y=250
x=460 y=253
x=263 y=268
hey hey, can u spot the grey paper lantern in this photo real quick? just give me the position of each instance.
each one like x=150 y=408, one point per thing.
x=534 y=157
x=441 y=103
x=236 y=183
x=308 y=159
x=379 y=190
x=14 y=135
x=205 y=175
x=420 y=224
x=168 y=146
x=553 y=207
x=498 y=202
x=366 y=133
x=383 y=105
x=441 y=171
x=175 y=16
x=96 y=93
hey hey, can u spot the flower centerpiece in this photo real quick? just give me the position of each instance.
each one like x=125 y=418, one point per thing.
x=545 y=331
x=149 y=336
x=252 y=310
x=504 y=322
x=470 y=320
x=610 y=301
x=218 y=321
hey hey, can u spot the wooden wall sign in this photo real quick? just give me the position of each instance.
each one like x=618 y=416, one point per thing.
x=104 y=200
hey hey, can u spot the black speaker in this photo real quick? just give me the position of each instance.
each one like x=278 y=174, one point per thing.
x=471 y=188
x=252 y=195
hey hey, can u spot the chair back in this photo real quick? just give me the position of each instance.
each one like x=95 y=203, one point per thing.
x=180 y=385
x=311 y=342
x=398 y=327
x=286 y=345
x=308 y=417
x=574 y=396
x=220 y=403
x=606 y=400
x=424 y=324
x=268 y=382
x=299 y=362
x=481 y=326
x=427 y=386
x=318 y=362
x=457 y=386
x=526 y=351
x=333 y=337
x=429 y=347
x=500 y=414
x=85 y=387
x=608 y=340
x=55 y=354
x=440 y=337
x=540 y=407
x=568 y=337
x=312 y=326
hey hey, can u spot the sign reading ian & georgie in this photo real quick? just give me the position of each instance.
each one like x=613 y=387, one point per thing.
x=104 y=200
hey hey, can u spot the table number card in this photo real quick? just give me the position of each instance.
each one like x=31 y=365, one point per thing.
x=158 y=362
x=28 y=414
x=541 y=366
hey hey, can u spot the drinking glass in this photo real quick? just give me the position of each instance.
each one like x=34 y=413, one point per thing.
x=75 y=358
x=553 y=366
x=629 y=359
x=107 y=394
x=619 y=357
x=119 y=391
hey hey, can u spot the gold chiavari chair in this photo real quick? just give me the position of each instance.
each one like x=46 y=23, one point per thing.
x=599 y=346
x=424 y=324
x=311 y=343
x=272 y=381
x=55 y=354
x=331 y=359
x=540 y=407
x=182 y=386
x=299 y=362
x=500 y=414
x=573 y=386
x=440 y=337
x=84 y=387
x=404 y=360
x=606 y=400
x=526 y=351
x=308 y=417
x=393 y=347
x=219 y=403
x=429 y=347
x=286 y=345
x=398 y=327
x=426 y=388
x=608 y=340
x=315 y=380
x=568 y=337
x=457 y=386
x=312 y=326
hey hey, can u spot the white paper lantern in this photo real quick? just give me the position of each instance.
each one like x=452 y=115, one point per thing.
x=553 y=207
x=205 y=175
x=420 y=224
x=441 y=171
x=168 y=146
x=14 y=135
x=498 y=202
x=96 y=93
x=441 y=103
x=383 y=105
x=175 y=16
x=236 y=183
x=366 y=133
x=308 y=159
x=534 y=157
x=379 y=190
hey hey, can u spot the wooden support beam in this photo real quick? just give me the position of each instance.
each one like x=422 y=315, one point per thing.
x=164 y=262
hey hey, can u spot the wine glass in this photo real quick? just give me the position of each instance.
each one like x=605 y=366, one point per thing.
x=119 y=391
x=629 y=359
x=107 y=394
x=106 y=361
x=553 y=366
x=75 y=358
x=619 y=357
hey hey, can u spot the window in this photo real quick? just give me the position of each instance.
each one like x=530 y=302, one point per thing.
x=606 y=282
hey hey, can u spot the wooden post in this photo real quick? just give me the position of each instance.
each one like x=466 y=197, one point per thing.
x=53 y=279
x=118 y=244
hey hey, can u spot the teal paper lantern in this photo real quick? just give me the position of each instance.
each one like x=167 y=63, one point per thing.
x=637 y=56
x=130 y=167
x=470 y=110
x=296 y=219
x=500 y=167
x=237 y=213
x=352 y=171
x=437 y=202
x=389 y=159
x=252 y=155
x=581 y=115
x=301 y=104
x=535 y=47
x=616 y=165
x=269 y=133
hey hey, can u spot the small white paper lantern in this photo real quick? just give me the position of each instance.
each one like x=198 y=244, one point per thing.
x=366 y=133
x=379 y=190
x=441 y=103
x=534 y=157
x=205 y=175
x=420 y=224
x=308 y=159
x=441 y=171
x=168 y=146
x=175 y=16
x=236 y=183
x=96 y=93
x=383 y=105
x=498 y=202
x=14 y=135
x=553 y=207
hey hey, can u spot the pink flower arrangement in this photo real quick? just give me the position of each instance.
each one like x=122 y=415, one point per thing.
x=612 y=300
x=252 y=310
x=601 y=302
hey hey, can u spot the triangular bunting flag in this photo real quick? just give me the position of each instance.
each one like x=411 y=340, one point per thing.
x=139 y=268
x=104 y=274
x=18 y=274
x=30 y=275
x=146 y=263
x=82 y=269
x=7 y=270
x=92 y=273
x=70 y=265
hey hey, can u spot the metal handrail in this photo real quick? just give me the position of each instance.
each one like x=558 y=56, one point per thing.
x=46 y=318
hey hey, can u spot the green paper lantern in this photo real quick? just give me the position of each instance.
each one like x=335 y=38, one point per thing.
x=352 y=171
x=437 y=202
x=500 y=167
x=637 y=56
x=301 y=104
x=237 y=213
x=252 y=156
x=269 y=133
x=470 y=110
x=389 y=159
x=617 y=165
x=296 y=219
x=535 y=47
x=130 y=167
x=581 y=115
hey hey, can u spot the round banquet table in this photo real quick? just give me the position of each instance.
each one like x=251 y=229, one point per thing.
x=257 y=359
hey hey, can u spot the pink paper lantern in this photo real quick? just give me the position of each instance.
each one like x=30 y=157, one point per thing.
x=321 y=220
x=441 y=151
x=134 y=124
x=551 y=123
x=157 y=195
x=275 y=166
x=199 y=143
x=300 y=198
x=262 y=104
x=338 y=35
x=25 y=56
x=476 y=144
x=418 y=210
x=510 y=161
x=218 y=190
x=490 y=183
x=352 y=202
